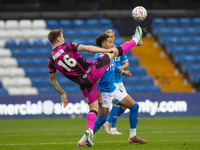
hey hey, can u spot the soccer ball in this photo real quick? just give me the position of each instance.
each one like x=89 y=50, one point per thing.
x=139 y=13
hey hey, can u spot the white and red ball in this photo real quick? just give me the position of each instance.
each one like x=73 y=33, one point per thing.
x=139 y=13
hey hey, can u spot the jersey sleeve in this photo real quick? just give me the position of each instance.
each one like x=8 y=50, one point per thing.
x=117 y=69
x=124 y=58
x=73 y=46
x=51 y=66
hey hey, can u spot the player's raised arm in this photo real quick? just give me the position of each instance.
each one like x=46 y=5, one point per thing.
x=93 y=49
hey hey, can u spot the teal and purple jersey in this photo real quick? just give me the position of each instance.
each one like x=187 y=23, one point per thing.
x=66 y=59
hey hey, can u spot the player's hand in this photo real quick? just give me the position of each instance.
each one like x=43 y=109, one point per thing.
x=64 y=100
x=127 y=73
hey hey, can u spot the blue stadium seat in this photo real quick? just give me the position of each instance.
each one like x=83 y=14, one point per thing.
x=185 y=21
x=24 y=44
x=46 y=90
x=190 y=30
x=11 y=44
x=195 y=78
x=105 y=23
x=177 y=31
x=196 y=21
x=52 y=24
x=162 y=31
x=158 y=22
x=88 y=41
x=168 y=40
x=193 y=69
x=187 y=59
x=143 y=89
x=119 y=41
x=66 y=23
x=134 y=61
x=139 y=81
x=39 y=82
x=3 y=92
x=31 y=72
x=38 y=43
x=72 y=33
x=195 y=39
x=171 y=22
x=82 y=33
x=193 y=49
x=78 y=23
x=92 y=23
x=175 y=50
x=138 y=71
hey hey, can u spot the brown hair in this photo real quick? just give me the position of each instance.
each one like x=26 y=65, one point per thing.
x=101 y=38
x=52 y=36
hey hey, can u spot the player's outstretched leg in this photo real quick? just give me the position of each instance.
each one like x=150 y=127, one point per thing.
x=136 y=40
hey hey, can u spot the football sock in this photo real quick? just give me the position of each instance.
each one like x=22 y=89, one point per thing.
x=133 y=117
x=99 y=122
x=91 y=117
x=120 y=111
x=113 y=112
x=132 y=132
x=125 y=47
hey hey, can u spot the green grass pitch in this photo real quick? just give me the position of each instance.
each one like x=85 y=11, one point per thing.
x=162 y=133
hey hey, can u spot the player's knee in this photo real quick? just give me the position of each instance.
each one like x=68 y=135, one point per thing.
x=93 y=111
x=135 y=107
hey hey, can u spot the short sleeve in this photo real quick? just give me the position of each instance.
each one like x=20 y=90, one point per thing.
x=51 y=66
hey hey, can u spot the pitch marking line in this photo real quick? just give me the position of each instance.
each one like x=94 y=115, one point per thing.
x=149 y=132
x=63 y=143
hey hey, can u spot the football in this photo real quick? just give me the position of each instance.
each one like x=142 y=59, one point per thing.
x=139 y=13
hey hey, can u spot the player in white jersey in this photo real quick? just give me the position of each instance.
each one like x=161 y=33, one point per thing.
x=122 y=63
x=110 y=92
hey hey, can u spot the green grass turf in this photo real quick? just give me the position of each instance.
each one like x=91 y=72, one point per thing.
x=162 y=133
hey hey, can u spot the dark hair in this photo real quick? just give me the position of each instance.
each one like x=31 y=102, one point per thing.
x=101 y=38
x=52 y=36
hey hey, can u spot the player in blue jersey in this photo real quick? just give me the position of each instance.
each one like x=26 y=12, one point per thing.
x=110 y=92
x=122 y=63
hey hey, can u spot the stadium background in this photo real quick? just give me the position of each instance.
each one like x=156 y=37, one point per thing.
x=165 y=82
x=165 y=69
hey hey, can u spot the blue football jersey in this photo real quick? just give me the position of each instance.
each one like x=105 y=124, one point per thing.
x=118 y=62
x=106 y=83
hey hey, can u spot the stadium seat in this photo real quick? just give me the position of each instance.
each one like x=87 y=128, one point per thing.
x=196 y=21
x=119 y=41
x=138 y=71
x=2 y=24
x=52 y=24
x=11 y=24
x=158 y=22
x=92 y=23
x=134 y=61
x=38 y=24
x=171 y=22
x=105 y=23
x=8 y=62
x=4 y=52
x=187 y=59
x=22 y=91
x=11 y=44
x=16 y=82
x=66 y=23
x=159 y=31
x=25 y=24
x=3 y=92
x=38 y=44
x=24 y=44
x=78 y=23
x=184 y=21
x=177 y=31
x=193 y=69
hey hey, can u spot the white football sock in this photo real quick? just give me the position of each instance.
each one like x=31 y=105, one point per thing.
x=132 y=132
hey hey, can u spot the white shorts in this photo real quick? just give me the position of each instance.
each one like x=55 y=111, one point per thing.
x=117 y=95
x=120 y=86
